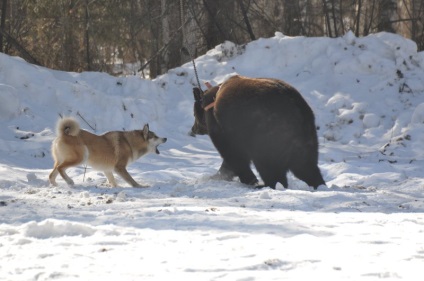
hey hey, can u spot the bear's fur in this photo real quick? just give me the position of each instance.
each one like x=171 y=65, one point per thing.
x=260 y=120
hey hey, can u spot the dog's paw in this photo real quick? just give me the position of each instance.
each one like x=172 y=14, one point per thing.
x=53 y=183
x=70 y=183
x=141 y=186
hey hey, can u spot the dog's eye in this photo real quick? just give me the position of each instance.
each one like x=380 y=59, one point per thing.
x=152 y=136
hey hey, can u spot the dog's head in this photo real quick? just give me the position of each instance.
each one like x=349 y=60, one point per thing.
x=153 y=141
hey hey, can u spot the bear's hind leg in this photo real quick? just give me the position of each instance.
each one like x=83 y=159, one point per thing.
x=308 y=172
x=271 y=172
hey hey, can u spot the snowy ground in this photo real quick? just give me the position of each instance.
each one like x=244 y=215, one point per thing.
x=368 y=98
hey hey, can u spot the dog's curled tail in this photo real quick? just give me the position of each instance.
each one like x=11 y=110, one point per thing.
x=67 y=126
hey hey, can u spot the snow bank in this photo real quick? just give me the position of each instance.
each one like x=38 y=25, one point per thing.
x=54 y=229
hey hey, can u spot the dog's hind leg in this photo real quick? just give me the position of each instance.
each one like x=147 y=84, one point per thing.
x=122 y=171
x=61 y=168
x=110 y=178
x=53 y=175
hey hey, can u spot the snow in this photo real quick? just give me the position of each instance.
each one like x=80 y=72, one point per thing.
x=368 y=224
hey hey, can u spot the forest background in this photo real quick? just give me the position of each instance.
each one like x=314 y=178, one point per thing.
x=148 y=37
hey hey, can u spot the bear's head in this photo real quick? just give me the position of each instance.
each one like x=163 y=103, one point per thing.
x=199 y=126
x=203 y=102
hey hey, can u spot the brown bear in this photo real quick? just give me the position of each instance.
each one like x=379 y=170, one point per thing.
x=259 y=120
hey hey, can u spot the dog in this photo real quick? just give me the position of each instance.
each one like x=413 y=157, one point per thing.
x=110 y=152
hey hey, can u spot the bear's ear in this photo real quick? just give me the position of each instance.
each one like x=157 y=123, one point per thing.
x=197 y=93
x=208 y=85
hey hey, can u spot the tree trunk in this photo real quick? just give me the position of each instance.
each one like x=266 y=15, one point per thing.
x=218 y=29
x=3 y=22
x=87 y=36
x=23 y=52
x=165 y=35
x=246 y=20
x=358 y=17
x=171 y=36
x=387 y=15
x=327 y=18
x=334 y=16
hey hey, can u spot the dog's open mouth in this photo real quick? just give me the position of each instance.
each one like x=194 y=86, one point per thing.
x=163 y=141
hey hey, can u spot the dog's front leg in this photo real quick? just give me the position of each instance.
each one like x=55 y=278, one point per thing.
x=110 y=178
x=122 y=171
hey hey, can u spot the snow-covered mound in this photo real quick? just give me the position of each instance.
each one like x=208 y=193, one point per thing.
x=368 y=98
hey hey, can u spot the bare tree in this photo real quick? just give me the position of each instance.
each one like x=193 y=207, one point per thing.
x=246 y=19
x=292 y=18
x=99 y=35
x=87 y=35
x=387 y=15
x=333 y=12
x=411 y=20
x=3 y=22
x=358 y=10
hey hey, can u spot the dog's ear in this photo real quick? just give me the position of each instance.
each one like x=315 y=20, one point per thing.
x=146 y=131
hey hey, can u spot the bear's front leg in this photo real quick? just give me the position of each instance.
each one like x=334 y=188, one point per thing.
x=236 y=161
x=225 y=173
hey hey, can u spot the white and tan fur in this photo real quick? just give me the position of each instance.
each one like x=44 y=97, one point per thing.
x=110 y=152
